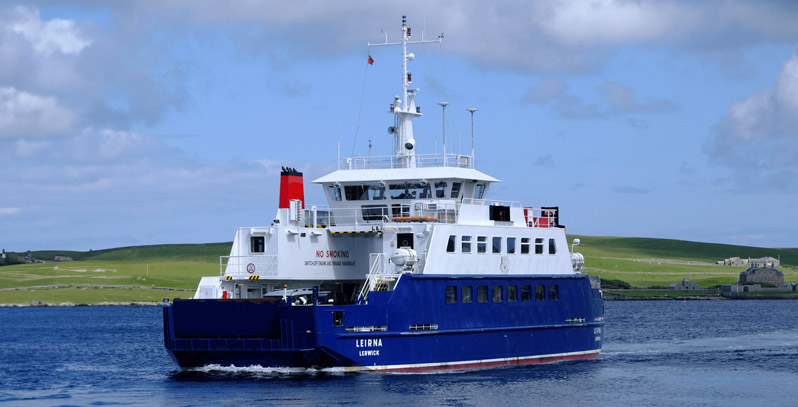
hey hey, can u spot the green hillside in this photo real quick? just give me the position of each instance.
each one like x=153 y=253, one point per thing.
x=150 y=273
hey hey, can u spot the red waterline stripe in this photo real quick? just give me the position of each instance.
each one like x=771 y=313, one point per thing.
x=483 y=365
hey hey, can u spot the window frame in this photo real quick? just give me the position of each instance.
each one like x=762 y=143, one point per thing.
x=467 y=294
x=493 y=241
x=510 y=246
x=497 y=294
x=482 y=244
x=526 y=292
x=512 y=293
x=450 y=293
x=465 y=244
x=482 y=294
x=451 y=244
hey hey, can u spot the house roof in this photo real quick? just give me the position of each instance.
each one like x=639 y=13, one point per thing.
x=753 y=270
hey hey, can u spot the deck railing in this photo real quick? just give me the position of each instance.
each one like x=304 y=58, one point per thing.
x=392 y=161
x=243 y=267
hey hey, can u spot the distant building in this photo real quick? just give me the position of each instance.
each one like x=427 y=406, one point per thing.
x=760 y=262
x=765 y=262
x=685 y=285
x=733 y=261
x=62 y=258
x=762 y=275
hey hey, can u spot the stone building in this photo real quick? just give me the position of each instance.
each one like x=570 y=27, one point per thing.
x=762 y=275
x=685 y=285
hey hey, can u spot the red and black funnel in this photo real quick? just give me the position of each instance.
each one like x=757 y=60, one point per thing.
x=291 y=187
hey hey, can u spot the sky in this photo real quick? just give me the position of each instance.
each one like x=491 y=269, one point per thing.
x=140 y=122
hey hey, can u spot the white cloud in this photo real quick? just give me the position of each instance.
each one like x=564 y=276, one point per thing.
x=761 y=132
x=48 y=37
x=11 y=211
x=24 y=115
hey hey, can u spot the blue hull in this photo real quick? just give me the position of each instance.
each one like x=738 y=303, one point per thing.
x=424 y=324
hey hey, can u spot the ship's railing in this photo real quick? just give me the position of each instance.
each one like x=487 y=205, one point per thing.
x=368 y=216
x=377 y=264
x=472 y=201
x=540 y=217
x=393 y=161
x=244 y=267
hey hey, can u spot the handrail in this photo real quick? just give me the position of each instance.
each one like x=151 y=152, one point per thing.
x=392 y=161
x=243 y=267
x=376 y=262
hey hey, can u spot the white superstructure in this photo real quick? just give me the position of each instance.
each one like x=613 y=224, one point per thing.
x=386 y=216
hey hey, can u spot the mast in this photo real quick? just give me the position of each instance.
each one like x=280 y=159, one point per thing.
x=404 y=106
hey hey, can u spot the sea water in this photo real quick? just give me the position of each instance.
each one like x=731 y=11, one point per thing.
x=656 y=353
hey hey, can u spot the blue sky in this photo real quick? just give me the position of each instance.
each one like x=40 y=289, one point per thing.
x=128 y=123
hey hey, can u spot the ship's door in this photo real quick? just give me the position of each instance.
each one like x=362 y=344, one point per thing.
x=404 y=240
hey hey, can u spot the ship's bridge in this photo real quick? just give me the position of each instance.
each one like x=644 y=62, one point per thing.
x=379 y=189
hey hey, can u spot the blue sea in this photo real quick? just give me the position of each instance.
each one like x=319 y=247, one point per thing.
x=656 y=353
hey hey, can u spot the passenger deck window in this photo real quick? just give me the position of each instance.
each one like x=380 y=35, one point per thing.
x=538 y=245
x=257 y=244
x=524 y=245
x=497 y=293
x=526 y=293
x=451 y=294
x=467 y=289
x=554 y=292
x=497 y=244
x=552 y=247
x=465 y=244
x=451 y=243
x=510 y=245
x=482 y=244
x=512 y=293
x=482 y=293
x=540 y=293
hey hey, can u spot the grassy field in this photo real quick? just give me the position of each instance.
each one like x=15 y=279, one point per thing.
x=647 y=263
x=135 y=274
x=116 y=275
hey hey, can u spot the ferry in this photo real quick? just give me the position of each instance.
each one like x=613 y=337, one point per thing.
x=409 y=268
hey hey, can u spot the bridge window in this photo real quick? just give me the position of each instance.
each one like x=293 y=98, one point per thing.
x=510 y=245
x=552 y=247
x=526 y=293
x=257 y=244
x=497 y=293
x=451 y=294
x=456 y=189
x=364 y=192
x=335 y=192
x=554 y=292
x=482 y=293
x=497 y=244
x=482 y=244
x=512 y=293
x=410 y=191
x=540 y=293
x=440 y=189
x=479 y=191
x=524 y=245
x=538 y=245
x=465 y=244
x=467 y=294
x=451 y=243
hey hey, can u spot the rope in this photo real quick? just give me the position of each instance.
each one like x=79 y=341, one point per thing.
x=360 y=110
